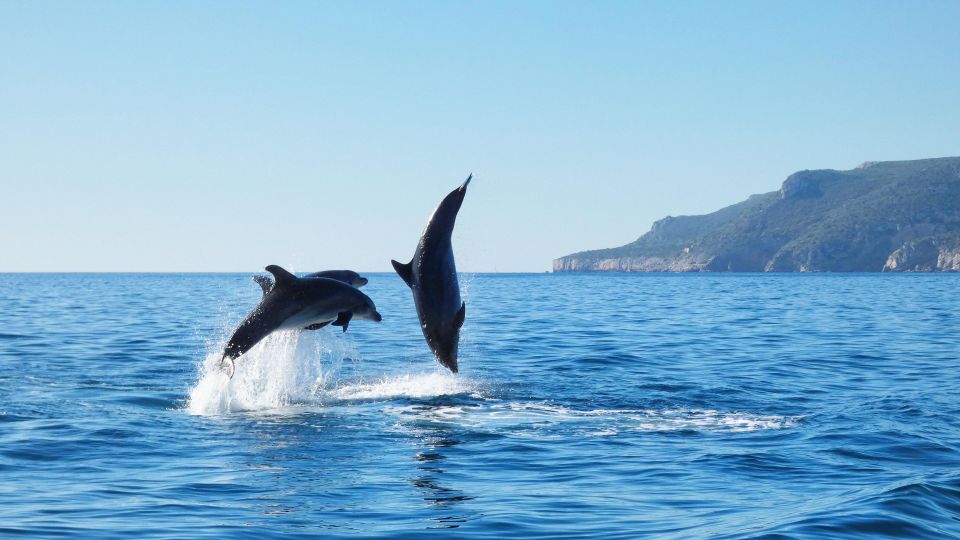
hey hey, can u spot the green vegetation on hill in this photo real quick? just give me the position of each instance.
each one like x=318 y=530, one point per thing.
x=863 y=220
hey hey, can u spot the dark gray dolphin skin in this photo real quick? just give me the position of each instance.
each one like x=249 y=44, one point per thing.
x=432 y=276
x=294 y=303
x=346 y=276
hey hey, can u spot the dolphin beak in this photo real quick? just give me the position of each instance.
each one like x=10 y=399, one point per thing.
x=377 y=317
x=362 y=281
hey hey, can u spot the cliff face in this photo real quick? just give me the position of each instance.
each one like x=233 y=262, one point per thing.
x=932 y=254
x=887 y=216
x=629 y=264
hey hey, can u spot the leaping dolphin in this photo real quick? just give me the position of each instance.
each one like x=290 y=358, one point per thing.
x=346 y=276
x=294 y=303
x=432 y=276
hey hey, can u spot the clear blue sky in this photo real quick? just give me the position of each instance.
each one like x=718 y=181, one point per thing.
x=225 y=136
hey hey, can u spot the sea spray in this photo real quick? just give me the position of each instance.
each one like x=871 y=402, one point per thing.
x=287 y=368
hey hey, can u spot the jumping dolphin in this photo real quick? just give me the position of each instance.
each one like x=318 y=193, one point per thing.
x=346 y=276
x=294 y=303
x=432 y=276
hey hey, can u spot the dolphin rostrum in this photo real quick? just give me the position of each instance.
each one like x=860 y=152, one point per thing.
x=294 y=303
x=346 y=276
x=432 y=276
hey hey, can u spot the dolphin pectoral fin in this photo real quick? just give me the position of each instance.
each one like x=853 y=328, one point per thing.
x=460 y=316
x=316 y=326
x=281 y=277
x=343 y=319
x=405 y=271
x=264 y=282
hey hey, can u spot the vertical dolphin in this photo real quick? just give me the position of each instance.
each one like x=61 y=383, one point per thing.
x=432 y=276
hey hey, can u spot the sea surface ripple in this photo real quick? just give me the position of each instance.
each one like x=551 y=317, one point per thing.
x=593 y=406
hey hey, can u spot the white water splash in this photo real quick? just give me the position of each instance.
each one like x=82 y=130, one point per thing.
x=292 y=370
x=280 y=371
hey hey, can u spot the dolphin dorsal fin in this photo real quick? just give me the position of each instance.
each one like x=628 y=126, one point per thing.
x=281 y=277
x=264 y=282
x=405 y=271
x=460 y=316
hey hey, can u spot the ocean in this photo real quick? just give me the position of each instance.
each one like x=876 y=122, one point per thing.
x=588 y=406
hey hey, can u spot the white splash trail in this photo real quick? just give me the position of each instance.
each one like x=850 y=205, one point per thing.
x=520 y=418
x=292 y=370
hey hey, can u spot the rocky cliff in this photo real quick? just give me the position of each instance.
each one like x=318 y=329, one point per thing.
x=882 y=216
x=931 y=254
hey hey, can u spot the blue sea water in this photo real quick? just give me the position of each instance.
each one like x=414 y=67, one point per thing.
x=600 y=406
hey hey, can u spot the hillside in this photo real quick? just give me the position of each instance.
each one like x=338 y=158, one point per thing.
x=881 y=216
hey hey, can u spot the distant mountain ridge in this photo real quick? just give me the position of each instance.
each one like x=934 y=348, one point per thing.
x=882 y=216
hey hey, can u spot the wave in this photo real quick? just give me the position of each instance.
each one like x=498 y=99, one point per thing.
x=914 y=508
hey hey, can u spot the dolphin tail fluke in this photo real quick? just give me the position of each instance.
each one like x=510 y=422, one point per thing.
x=405 y=271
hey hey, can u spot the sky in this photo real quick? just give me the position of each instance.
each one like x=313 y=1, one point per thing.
x=159 y=136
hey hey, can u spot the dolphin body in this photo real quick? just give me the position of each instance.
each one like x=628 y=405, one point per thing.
x=432 y=276
x=294 y=303
x=346 y=276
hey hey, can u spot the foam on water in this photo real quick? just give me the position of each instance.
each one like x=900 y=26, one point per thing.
x=519 y=417
x=416 y=385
